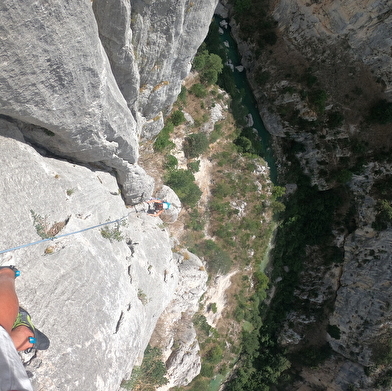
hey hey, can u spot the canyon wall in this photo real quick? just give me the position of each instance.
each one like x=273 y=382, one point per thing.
x=346 y=47
x=360 y=26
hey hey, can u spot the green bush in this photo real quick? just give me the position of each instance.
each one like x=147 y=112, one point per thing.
x=333 y=331
x=335 y=119
x=194 y=166
x=209 y=66
x=270 y=38
x=218 y=260
x=214 y=355
x=277 y=207
x=201 y=323
x=318 y=99
x=207 y=370
x=222 y=189
x=150 y=375
x=244 y=145
x=313 y=356
x=242 y=6
x=384 y=215
x=238 y=110
x=262 y=77
x=195 y=144
x=162 y=141
x=182 y=182
x=195 y=222
x=344 y=176
x=198 y=90
x=171 y=162
x=310 y=79
x=216 y=134
x=178 y=118
x=183 y=95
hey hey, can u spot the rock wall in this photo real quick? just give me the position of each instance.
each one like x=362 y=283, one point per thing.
x=150 y=45
x=346 y=38
x=360 y=26
x=84 y=82
x=98 y=299
x=85 y=79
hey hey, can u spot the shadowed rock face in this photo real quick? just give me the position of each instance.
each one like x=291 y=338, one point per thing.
x=361 y=27
x=55 y=74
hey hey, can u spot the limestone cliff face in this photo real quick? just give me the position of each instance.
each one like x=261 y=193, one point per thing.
x=150 y=45
x=85 y=81
x=362 y=27
x=56 y=75
x=352 y=39
x=98 y=299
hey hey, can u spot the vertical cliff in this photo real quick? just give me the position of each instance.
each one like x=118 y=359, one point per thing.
x=317 y=67
x=81 y=83
x=363 y=28
x=85 y=78
x=150 y=45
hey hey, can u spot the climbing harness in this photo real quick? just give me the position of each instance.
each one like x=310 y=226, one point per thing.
x=63 y=235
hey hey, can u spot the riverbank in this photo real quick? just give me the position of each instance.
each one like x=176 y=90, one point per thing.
x=229 y=228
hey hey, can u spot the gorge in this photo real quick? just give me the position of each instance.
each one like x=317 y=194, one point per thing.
x=86 y=87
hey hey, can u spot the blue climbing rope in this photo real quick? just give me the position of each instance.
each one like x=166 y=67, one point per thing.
x=61 y=236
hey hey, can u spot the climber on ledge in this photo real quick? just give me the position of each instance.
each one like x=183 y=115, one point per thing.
x=17 y=333
x=156 y=207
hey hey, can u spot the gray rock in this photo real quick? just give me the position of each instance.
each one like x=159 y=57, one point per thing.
x=53 y=78
x=167 y=194
x=175 y=332
x=362 y=307
x=84 y=83
x=360 y=25
x=93 y=297
x=152 y=55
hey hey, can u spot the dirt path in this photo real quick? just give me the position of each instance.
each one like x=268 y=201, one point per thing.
x=216 y=293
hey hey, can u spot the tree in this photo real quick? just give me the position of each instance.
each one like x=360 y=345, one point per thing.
x=150 y=375
x=209 y=65
x=278 y=191
x=242 y=6
x=182 y=182
x=178 y=117
x=198 y=90
x=335 y=119
x=163 y=140
x=270 y=38
x=243 y=144
x=171 y=162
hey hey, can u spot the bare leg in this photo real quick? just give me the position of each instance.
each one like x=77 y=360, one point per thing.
x=9 y=304
x=9 y=308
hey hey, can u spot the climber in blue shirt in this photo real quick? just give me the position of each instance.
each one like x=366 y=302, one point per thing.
x=156 y=207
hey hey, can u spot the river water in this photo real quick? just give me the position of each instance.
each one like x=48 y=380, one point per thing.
x=249 y=100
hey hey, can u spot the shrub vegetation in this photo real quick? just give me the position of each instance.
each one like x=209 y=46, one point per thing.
x=150 y=375
x=195 y=144
x=183 y=183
